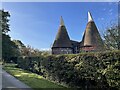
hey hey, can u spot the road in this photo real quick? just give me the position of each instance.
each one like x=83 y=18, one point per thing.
x=11 y=83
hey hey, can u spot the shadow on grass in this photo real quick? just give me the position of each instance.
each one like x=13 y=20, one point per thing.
x=33 y=80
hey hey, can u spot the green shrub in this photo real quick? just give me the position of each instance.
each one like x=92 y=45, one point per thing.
x=85 y=70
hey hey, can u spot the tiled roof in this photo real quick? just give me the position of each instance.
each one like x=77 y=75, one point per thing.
x=62 y=39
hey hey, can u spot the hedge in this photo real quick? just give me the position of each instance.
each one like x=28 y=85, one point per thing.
x=85 y=70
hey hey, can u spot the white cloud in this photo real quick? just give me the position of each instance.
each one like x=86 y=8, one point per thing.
x=111 y=13
x=100 y=19
x=110 y=10
x=104 y=9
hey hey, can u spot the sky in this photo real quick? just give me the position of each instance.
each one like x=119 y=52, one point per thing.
x=60 y=0
x=36 y=23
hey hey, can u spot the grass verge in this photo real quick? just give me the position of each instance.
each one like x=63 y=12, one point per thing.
x=33 y=80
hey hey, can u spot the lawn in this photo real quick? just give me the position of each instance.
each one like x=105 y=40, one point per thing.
x=31 y=79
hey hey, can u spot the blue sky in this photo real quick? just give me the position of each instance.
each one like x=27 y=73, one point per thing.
x=36 y=24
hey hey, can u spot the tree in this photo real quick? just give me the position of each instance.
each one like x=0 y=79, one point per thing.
x=4 y=21
x=20 y=46
x=112 y=38
x=9 y=49
x=26 y=50
x=46 y=52
x=30 y=51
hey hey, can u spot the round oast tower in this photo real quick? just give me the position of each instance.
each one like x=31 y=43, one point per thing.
x=62 y=43
x=91 y=40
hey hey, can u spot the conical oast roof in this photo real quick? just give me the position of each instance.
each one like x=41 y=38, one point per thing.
x=91 y=35
x=62 y=39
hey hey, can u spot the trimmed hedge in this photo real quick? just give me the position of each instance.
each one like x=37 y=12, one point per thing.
x=87 y=70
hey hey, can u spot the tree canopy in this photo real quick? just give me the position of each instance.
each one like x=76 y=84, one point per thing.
x=9 y=48
x=112 y=38
x=4 y=21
